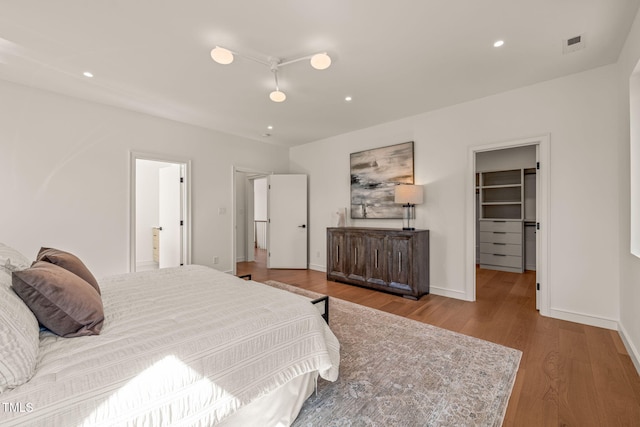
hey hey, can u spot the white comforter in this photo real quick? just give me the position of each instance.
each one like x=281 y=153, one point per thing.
x=183 y=346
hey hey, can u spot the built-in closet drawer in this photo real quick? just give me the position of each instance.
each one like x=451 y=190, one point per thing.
x=501 y=226
x=500 y=249
x=502 y=245
x=500 y=237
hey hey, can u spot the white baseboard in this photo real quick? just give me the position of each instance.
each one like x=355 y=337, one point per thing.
x=631 y=349
x=449 y=293
x=585 y=319
x=318 y=267
x=240 y=259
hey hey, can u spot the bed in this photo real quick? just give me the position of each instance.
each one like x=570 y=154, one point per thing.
x=180 y=346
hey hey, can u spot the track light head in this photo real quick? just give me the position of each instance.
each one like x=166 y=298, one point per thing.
x=221 y=55
x=320 y=61
x=277 y=96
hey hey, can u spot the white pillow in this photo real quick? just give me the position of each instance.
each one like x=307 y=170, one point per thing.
x=12 y=260
x=20 y=338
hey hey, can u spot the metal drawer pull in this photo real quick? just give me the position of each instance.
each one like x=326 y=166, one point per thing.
x=499 y=221
x=376 y=258
x=355 y=262
x=499 y=232
x=501 y=244
x=499 y=255
x=400 y=261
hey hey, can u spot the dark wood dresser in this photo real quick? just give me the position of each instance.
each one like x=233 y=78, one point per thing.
x=385 y=259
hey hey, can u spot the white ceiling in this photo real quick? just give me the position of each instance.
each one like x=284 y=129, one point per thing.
x=395 y=58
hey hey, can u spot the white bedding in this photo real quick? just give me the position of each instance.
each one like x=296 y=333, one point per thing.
x=183 y=346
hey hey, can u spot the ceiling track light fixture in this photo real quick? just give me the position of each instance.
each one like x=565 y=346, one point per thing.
x=319 y=61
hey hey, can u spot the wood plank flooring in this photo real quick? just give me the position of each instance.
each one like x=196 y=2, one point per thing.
x=570 y=374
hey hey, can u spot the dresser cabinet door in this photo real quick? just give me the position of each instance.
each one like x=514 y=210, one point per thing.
x=357 y=256
x=336 y=255
x=400 y=260
x=377 y=264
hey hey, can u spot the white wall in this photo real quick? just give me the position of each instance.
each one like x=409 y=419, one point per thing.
x=580 y=114
x=64 y=168
x=629 y=264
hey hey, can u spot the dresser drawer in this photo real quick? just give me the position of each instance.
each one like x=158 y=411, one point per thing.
x=500 y=237
x=501 y=249
x=504 y=226
x=501 y=260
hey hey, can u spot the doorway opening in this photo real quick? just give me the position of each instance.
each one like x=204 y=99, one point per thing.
x=285 y=218
x=160 y=212
x=508 y=214
x=249 y=222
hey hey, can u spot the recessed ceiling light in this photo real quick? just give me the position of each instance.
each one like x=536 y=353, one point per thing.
x=498 y=43
x=87 y=74
x=348 y=98
x=269 y=127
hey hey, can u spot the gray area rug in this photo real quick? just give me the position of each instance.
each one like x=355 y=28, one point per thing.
x=399 y=372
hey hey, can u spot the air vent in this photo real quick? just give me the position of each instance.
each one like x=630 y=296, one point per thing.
x=573 y=44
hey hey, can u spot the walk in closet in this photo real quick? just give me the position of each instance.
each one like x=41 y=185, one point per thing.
x=506 y=209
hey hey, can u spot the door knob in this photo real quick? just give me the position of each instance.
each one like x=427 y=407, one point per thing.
x=303 y=226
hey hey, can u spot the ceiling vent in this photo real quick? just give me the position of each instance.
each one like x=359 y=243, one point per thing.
x=573 y=44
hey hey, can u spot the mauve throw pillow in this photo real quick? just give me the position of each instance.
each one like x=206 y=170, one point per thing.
x=61 y=301
x=69 y=262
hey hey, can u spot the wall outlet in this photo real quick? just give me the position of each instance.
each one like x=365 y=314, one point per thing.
x=216 y=260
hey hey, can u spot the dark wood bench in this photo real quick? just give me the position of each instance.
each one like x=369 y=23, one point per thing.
x=322 y=300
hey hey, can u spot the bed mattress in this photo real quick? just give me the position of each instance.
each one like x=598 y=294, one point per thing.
x=180 y=346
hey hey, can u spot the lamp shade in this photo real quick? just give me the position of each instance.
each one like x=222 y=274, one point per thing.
x=409 y=194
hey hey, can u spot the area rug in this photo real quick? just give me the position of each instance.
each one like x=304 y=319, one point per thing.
x=400 y=372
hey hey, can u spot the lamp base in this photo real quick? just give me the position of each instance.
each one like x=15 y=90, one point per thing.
x=409 y=213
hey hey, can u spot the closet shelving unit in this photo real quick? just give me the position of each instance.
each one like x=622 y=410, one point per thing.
x=501 y=219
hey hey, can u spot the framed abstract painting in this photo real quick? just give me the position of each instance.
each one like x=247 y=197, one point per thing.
x=374 y=175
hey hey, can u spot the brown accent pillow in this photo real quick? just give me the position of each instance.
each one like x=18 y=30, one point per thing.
x=69 y=262
x=61 y=301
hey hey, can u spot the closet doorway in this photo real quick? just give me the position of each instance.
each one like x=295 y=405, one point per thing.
x=509 y=207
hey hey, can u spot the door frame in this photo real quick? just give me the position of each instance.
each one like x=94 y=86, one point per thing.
x=186 y=201
x=234 y=232
x=542 y=209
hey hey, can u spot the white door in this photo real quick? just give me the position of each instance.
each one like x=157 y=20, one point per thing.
x=287 y=223
x=170 y=215
x=538 y=211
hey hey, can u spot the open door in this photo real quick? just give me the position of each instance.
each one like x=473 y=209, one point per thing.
x=538 y=216
x=287 y=223
x=170 y=216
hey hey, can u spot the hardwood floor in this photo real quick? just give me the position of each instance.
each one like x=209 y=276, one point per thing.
x=570 y=374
